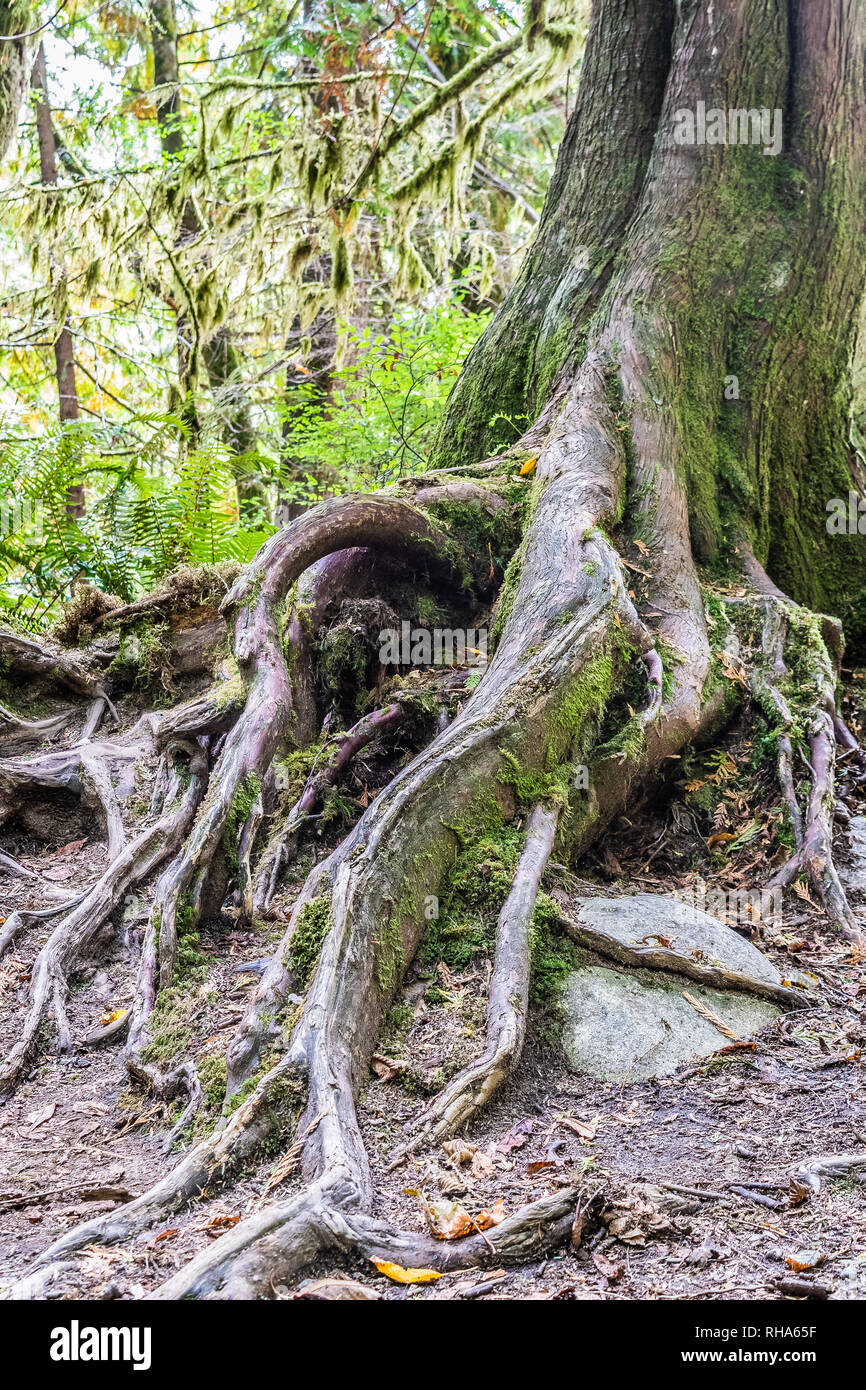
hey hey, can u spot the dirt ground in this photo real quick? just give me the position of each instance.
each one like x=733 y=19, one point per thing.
x=686 y=1178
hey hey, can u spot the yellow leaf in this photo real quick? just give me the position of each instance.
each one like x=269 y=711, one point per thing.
x=406 y=1276
x=528 y=467
x=113 y=1016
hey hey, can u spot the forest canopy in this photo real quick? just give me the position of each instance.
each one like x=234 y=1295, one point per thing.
x=244 y=251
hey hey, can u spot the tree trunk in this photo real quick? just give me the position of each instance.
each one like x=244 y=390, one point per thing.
x=216 y=350
x=15 y=49
x=679 y=339
x=64 y=347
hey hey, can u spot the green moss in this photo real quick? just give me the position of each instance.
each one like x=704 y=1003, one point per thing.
x=530 y=786
x=314 y=923
x=390 y=952
x=232 y=690
x=511 y=578
x=554 y=957
x=211 y=1075
x=143 y=662
x=244 y=799
x=475 y=888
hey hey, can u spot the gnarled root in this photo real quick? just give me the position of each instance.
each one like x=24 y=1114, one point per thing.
x=508 y=1002
x=281 y=845
x=813 y=853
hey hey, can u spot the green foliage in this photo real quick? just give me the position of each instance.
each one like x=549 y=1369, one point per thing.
x=379 y=420
x=150 y=509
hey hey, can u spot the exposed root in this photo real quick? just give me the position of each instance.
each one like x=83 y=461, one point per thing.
x=278 y=1242
x=71 y=937
x=508 y=1002
x=664 y=958
x=281 y=846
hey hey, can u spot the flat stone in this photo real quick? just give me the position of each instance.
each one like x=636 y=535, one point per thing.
x=853 y=874
x=628 y=1026
x=638 y=920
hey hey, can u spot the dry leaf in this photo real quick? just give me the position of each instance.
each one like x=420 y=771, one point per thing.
x=217 y=1223
x=482 y=1165
x=528 y=467
x=584 y=1129
x=70 y=848
x=516 y=1137
x=38 y=1117
x=385 y=1067
x=406 y=1276
x=113 y=1016
x=805 y=1259
x=491 y=1216
x=609 y=1268
x=459 y=1151
x=165 y=1235
x=448 y=1220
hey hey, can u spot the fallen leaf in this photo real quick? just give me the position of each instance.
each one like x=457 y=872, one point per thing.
x=805 y=1259
x=406 y=1276
x=483 y=1165
x=448 y=1220
x=386 y=1068
x=798 y=1192
x=722 y=837
x=70 y=848
x=585 y=1129
x=528 y=467
x=165 y=1235
x=459 y=1151
x=491 y=1216
x=609 y=1268
x=516 y=1137
x=38 y=1117
x=218 y=1223
x=113 y=1016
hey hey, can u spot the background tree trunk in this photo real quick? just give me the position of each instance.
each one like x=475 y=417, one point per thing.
x=64 y=346
x=218 y=354
x=15 y=20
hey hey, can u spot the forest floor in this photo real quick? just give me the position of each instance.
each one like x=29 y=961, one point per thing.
x=664 y=1156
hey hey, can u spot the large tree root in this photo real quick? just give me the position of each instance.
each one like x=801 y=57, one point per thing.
x=281 y=844
x=280 y=1241
x=508 y=1001
x=821 y=654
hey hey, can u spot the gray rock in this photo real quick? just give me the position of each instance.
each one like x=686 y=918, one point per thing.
x=853 y=874
x=636 y=922
x=622 y=1025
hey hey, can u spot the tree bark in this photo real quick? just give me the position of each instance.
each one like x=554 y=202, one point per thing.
x=15 y=50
